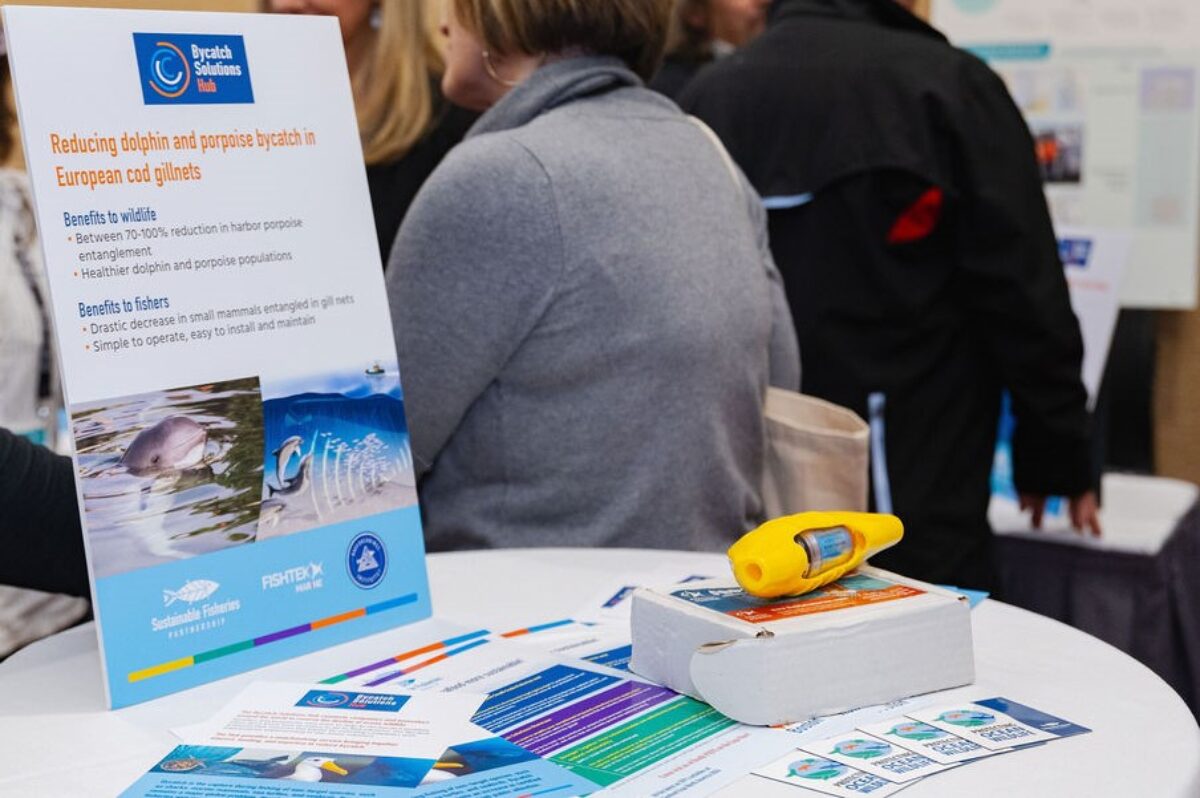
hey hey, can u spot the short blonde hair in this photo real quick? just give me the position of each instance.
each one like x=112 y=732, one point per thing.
x=633 y=30
x=394 y=92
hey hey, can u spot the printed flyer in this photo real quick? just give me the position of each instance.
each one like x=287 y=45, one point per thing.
x=276 y=738
x=631 y=738
x=242 y=457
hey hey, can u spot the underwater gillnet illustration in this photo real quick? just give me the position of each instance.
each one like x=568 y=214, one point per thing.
x=335 y=452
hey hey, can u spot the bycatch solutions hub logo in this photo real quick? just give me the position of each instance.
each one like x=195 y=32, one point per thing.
x=189 y=69
x=335 y=699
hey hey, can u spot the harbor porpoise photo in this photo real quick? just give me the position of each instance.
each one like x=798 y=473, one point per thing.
x=175 y=443
x=170 y=474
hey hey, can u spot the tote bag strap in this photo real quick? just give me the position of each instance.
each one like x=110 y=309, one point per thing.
x=726 y=158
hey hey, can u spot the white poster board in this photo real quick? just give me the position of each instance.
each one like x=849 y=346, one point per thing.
x=242 y=459
x=1109 y=88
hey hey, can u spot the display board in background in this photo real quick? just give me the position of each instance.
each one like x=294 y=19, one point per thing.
x=1109 y=88
x=241 y=453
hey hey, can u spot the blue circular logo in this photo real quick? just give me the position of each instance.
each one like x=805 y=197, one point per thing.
x=917 y=731
x=967 y=717
x=327 y=700
x=862 y=749
x=170 y=74
x=366 y=560
x=817 y=769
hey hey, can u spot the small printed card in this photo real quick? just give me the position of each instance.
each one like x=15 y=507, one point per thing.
x=875 y=756
x=802 y=769
x=997 y=723
x=939 y=745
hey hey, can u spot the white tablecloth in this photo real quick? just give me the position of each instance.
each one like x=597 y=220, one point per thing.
x=59 y=741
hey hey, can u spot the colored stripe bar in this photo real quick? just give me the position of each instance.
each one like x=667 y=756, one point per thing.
x=224 y=651
x=416 y=652
x=159 y=670
x=257 y=642
x=283 y=635
x=539 y=628
x=431 y=661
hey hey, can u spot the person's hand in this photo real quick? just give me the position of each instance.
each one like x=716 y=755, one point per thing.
x=1084 y=511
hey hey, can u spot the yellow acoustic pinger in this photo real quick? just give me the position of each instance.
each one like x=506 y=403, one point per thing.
x=797 y=554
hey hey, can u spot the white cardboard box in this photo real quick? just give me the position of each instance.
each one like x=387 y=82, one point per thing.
x=870 y=638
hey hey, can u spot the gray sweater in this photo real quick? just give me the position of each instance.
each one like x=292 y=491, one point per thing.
x=587 y=317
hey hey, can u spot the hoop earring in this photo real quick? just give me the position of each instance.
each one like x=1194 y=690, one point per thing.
x=491 y=70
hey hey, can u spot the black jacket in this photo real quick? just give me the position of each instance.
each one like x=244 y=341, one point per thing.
x=919 y=258
x=39 y=519
x=394 y=185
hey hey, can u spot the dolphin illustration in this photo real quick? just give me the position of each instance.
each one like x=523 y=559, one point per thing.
x=173 y=444
x=296 y=485
x=283 y=456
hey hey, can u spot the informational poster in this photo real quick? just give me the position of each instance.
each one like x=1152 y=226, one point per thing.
x=1095 y=262
x=1109 y=88
x=242 y=459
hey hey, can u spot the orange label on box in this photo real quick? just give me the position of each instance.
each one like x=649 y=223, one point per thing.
x=855 y=590
x=835 y=598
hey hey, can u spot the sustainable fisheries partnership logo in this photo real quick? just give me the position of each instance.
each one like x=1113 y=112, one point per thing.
x=192 y=592
x=191 y=69
x=334 y=699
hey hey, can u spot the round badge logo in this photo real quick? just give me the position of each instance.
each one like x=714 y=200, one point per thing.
x=327 y=700
x=366 y=560
x=967 y=717
x=817 y=769
x=917 y=731
x=169 y=70
x=862 y=749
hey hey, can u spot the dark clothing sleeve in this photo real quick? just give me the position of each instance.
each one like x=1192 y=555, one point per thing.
x=1016 y=289
x=39 y=519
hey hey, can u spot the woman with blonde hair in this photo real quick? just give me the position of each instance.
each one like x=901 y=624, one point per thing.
x=586 y=312
x=405 y=124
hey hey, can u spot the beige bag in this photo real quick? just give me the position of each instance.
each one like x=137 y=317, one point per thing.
x=817 y=456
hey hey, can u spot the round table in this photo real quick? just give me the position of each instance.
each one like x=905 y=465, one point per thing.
x=1144 y=739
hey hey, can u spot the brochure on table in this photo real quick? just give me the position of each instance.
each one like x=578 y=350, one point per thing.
x=364 y=743
x=242 y=458
x=1109 y=88
x=580 y=723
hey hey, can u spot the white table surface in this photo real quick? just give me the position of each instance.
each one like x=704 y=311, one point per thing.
x=58 y=740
